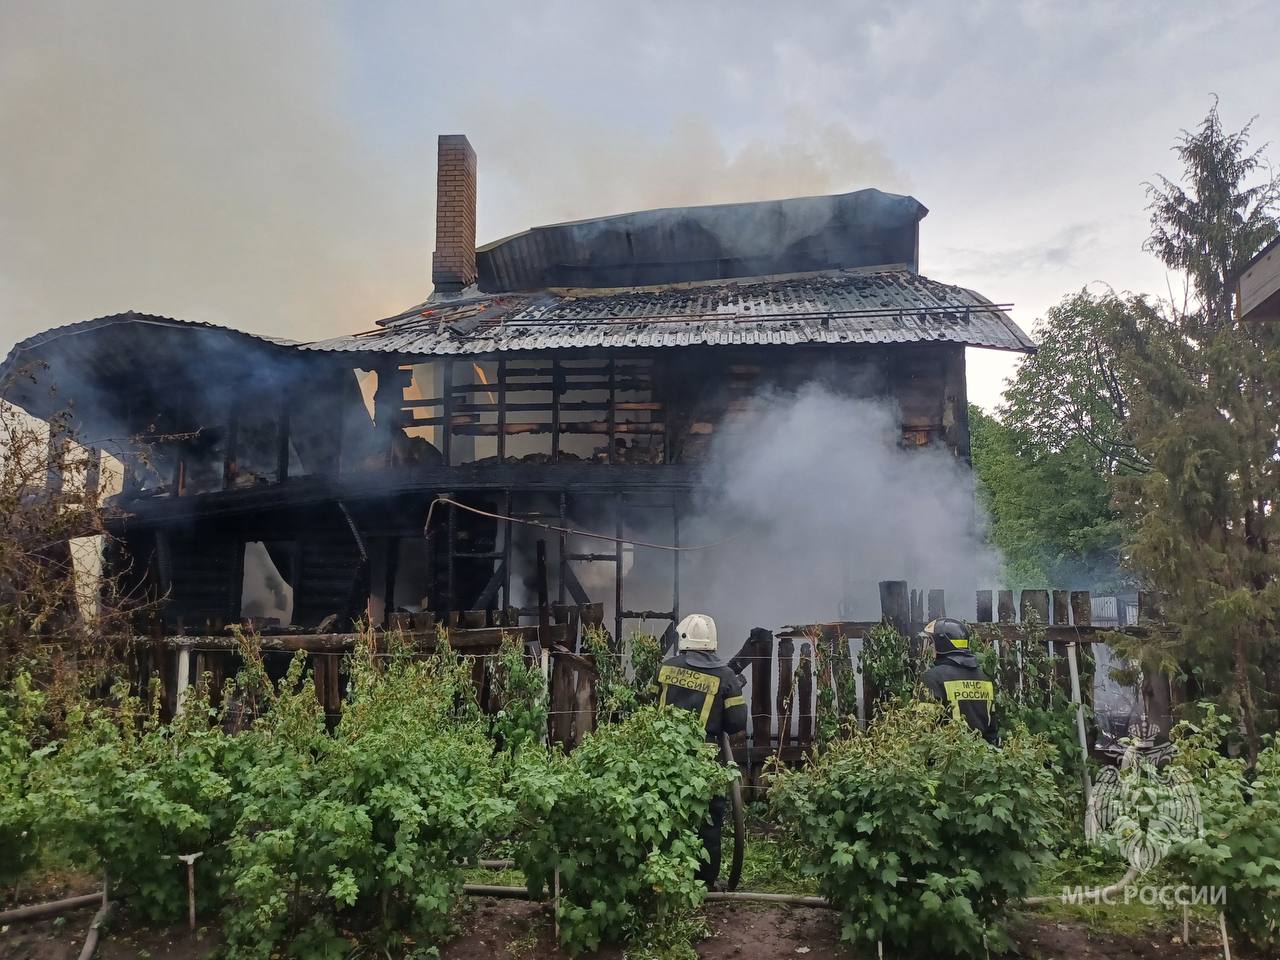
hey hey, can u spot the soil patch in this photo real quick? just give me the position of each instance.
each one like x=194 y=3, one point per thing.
x=518 y=930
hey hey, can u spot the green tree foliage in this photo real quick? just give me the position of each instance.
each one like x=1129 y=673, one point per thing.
x=1205 y=410
x=1049 y=501
x=919 y=832
x=1070 y=397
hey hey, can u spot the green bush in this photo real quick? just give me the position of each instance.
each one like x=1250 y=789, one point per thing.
x=919 y=832
x=128 y=793
x=363 y=833
x=521 y=689
x=1034 y=694
x=20 y=712
x=1240 y=845
x=619 y=817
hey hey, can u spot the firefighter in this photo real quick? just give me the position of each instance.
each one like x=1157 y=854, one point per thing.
x=955 y=678
x=696 y=679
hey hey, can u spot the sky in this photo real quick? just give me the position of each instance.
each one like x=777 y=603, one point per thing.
x=271 y=165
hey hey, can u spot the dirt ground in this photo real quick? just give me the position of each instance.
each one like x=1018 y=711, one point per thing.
x=516 y=930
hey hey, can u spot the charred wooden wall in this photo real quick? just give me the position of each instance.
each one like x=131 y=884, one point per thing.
x=345 y=531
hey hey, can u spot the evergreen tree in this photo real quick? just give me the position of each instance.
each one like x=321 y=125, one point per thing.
x=1204 y=394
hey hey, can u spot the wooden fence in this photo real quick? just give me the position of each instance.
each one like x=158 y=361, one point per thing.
x=786 y=670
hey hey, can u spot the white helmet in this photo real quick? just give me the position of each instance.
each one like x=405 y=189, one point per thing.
x=697 y=631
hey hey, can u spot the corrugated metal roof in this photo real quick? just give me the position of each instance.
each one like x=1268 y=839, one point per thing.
x=847 y=307
x=893 y=306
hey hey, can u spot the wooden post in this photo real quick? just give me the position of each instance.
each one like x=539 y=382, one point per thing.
x=985 y=612
x=785 y=678
x=1061 y=607
x=761 y=690
x=917 y=609
x=1037 y=600
x=804 y=708
x=1004 y=606
x=1081 y=608
x=544 y=609
x=937 y=604
x=895 y=606
x=1148 y=607
x=1073 y=666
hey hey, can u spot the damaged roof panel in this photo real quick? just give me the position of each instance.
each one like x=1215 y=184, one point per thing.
x=886 y=306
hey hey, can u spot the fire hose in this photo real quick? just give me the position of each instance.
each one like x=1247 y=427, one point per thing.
x=739 y=819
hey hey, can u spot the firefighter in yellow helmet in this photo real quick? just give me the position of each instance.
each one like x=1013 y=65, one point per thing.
x=696 y=679
x=956 y=679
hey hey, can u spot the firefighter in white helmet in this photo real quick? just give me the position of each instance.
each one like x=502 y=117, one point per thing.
x=696 y=679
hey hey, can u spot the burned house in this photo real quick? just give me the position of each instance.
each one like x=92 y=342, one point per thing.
x=574 y=375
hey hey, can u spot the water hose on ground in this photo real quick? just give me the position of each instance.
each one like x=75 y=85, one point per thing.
x=52 y=908
x=1087 y=896
x=739 y=819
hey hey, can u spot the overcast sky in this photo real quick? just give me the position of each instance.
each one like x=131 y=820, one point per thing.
x=270 y=166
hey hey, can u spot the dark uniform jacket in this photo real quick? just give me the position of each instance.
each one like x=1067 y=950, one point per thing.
x=700 y=681
x=958 y=681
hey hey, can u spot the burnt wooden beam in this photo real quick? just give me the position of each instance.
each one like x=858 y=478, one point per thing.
x=937 y=604
x=544 y=606
x=427 y=480
x=422 y=641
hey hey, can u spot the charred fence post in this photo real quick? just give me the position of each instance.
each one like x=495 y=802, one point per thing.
x=804 y=677
x=937 y=604
x=895 y=605
x=1061 y=607
x=984 y=612
x=1037 y=600
x=761 y=648
x=1081 y=608
x=786 y=679
x=1004 y=606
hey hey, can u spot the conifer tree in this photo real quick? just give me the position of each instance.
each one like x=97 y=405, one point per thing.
x=1204 y=393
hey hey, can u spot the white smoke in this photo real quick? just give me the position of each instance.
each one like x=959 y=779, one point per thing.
x=821 y=504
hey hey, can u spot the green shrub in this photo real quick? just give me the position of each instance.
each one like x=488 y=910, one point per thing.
x=1034 y=694
x=919 y=832
x=521 y=689
x=20 y=711
x=619 y=817
x=131 y=793
x=1240 y=845
x=363 y=833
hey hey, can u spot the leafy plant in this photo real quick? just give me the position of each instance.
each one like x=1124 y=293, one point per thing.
x=134 y=793
x=919 y=832
x=617 y=695
x=618 y=818
x=364 y=832
x=20 y=711
x=1240 y=845
x=1033 y=695
x=521 y=689
x=891 y=665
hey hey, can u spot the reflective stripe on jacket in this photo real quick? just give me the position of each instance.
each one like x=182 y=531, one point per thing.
x=700 y=681
x=958 y=681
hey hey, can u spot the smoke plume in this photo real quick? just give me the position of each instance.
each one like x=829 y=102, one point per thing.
x=821 y=504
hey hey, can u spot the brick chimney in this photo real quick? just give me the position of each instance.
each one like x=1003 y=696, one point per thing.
x=453 y=265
